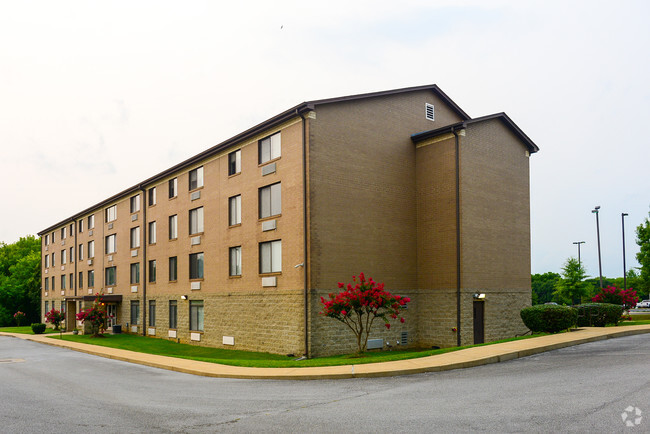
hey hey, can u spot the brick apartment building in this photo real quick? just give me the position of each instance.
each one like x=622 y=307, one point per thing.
x=234 y=247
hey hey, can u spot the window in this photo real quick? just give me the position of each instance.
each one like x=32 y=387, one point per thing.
x=428 y=111
x=47 y=261
x=135 y=204
x=135 y=311
x=135 y=273
x=234 y=210
x=271 y=257
x=63 y=259
x=53 y=259
x=196 y=178
x=111 y=277
x=91 y=249
x=234 y=162
x=270 y=200
x=111 y=242
x=53 y=284
x=47 y=239
x=152 y=196
x=91 y=221
x=152 y=232
x=80 y=225
x=47 y=283
x=47 y=306
x=196 y=266
x=173 y=268
x=63 y=281
x=196 y=221
x=269 y=148
x=173 y=314
x=196 y=315
x=173 y=227
x=173 y=187
x=71 y=229
x=152 y=313
x=63 y=234
x=111 y=214
x=152 y=271
x=71 y=282
x=71 y=254
x=235 y=261
x=62 y=306
x=53 y=237
x=80 y=251
x=81 y=279
x=91 y=278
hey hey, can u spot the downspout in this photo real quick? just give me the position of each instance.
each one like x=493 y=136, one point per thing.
x=144 y=259
x=458 y=301
x=305 y=232
x=76 y=252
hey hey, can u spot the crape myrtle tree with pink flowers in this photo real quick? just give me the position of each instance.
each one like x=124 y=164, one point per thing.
x=358 y=306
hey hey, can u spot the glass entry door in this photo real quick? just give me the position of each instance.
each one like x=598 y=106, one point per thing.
x=111 y=311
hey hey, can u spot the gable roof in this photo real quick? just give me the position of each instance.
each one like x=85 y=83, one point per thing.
x=504 y=118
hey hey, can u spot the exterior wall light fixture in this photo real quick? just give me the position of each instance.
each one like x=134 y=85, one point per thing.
x=479 y=296
x=183 y=297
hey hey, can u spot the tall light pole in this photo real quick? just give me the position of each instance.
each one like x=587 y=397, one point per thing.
x=578 y=243
x=623 y=215
x=600 y=264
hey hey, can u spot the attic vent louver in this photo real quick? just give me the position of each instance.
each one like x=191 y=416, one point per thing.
x=429 y=111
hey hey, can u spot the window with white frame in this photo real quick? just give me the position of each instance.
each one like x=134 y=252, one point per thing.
x=135 y=273
x=91 y=221
x=63 y=233
x=80 y=225
x=270 y=200
x=135 y=203
x=234 y=162
x=271 y=257
x=173 y=187
x=196 y=266
x=152 y=232
x=111 y=213
x=54 y=259
x=269 y=148
x=234 y=210
x=173 y=314
x=63 y=257
x=196 y=178
x=152 y=271
x=152 y=313
x=135 y=311
x=47 y=261
x=110 y=276
x=91 y=249
x=63 y=286
x=196 y=221
x=196 y=315
x=135 y=237
x=235 y=261
x=152 y=196
x=71 y=254
x=173 y=227
x=81 y=279
x=111 y=244
x=47 y=283
x=80 y=252
x=91 y=278
x=173 y=268
x=47 y=239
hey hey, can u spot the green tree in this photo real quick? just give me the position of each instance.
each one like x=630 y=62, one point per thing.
x=20 y=280
x=571 y=288
x=643 y=240
x=543 y=286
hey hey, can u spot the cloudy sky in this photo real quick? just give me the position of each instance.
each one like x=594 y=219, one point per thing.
x=97 y=96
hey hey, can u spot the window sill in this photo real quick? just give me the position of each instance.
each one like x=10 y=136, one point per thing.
x=269 y=162
x=235 y=277
x=277 y=273
x=196 y=189
x=234 y=174
x=271 y=217
x=173 y=197
x=173 y=239
x=235 y=225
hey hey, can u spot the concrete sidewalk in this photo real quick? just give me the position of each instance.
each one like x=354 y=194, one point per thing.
x=466 y=358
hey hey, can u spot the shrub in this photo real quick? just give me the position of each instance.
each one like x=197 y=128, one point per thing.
x=549 y=318
x=38 y=328
x=613 y=295
x=55 y=317
x=598 y=314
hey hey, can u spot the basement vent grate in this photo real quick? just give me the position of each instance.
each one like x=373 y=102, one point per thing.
x=405 y=338
x=429 y=111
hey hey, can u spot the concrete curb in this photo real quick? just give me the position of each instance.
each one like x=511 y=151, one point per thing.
x=466 y=358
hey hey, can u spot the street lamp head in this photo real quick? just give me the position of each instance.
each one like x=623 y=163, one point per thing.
x=596 y=208
x=624 y=214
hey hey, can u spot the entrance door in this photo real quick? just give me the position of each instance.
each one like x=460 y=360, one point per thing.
x=111 y=311
x=479 y=315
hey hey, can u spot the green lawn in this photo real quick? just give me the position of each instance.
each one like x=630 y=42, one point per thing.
x=248 y=358
x=26 y=330
x=635 y=322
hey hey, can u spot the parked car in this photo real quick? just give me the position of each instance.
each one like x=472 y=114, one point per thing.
x=643 y=304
